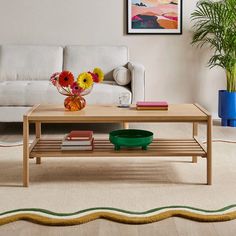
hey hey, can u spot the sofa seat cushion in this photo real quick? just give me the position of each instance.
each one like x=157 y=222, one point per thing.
x=22 y=62
x=107 y=93
x=29 y=93
x=12 y=114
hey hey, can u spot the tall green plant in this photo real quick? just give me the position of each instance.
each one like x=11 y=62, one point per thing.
x=215 y=26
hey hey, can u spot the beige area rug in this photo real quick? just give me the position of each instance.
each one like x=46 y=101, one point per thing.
x=134 y=185
x=131 y=187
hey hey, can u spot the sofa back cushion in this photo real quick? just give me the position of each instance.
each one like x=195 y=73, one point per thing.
x=79 y=59
x=20 y=62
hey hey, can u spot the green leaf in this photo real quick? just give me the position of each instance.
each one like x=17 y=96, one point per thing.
x=215 y=26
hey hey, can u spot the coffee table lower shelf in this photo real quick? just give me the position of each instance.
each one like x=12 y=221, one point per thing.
x=103 y=148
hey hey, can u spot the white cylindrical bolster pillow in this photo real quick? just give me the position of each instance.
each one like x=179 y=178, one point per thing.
x=122 y=75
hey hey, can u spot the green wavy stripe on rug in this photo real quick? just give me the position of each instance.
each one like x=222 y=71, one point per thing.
x=119 y=210
x=45 y=217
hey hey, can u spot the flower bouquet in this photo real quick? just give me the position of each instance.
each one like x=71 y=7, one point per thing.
x=76 y=89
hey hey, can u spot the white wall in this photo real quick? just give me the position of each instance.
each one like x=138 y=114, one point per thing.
x=175 y=70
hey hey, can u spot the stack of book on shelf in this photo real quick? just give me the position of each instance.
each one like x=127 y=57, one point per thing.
x=161 y=106
x=78 y=140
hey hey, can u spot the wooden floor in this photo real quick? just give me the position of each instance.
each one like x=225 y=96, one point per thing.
x=170 y=227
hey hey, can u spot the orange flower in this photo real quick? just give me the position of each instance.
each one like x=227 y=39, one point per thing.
x=66 y=79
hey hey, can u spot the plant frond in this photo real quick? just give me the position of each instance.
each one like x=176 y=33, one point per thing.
x=214 y=25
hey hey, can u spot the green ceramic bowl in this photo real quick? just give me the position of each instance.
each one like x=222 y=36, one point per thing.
x=131 y=138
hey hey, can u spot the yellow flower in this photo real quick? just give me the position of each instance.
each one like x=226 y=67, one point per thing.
x=85 y=80
x=99 y=73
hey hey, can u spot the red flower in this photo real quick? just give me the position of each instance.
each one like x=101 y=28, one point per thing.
x=76 y=90
x=66 y=78
x=95 y=77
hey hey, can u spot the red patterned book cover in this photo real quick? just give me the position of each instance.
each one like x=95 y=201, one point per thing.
x=80 y=135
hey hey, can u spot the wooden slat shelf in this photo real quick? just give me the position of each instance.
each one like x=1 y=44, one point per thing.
x=103 y=148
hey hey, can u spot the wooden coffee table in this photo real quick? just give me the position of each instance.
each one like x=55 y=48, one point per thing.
x=189 y=147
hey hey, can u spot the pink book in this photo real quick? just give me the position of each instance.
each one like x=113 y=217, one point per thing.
x=152 y=104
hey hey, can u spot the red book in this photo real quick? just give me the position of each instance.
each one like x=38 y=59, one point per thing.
x=80 y=135
x=76 y=142
x=152 y=104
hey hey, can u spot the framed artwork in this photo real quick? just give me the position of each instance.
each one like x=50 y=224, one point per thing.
x=154 y=16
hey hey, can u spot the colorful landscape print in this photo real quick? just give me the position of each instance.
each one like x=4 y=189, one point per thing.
x=155 y=14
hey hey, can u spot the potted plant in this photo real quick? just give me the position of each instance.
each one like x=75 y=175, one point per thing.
x=215 y=26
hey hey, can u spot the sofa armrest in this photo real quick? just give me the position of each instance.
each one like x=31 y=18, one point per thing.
x=137 y=81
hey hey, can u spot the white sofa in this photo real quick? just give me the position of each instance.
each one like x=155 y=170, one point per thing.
x=25 y=71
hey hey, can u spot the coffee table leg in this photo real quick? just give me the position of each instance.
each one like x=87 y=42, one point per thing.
x=125 y=125
x=209 y=150
x=25 y=152
x=195 y=133
x=38 y=135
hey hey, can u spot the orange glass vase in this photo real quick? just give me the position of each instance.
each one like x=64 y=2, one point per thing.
x=74 y=103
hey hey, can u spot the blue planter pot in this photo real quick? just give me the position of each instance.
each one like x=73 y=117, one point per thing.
x=227 y=108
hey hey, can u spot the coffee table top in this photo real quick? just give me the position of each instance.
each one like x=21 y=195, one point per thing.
x=114 y=114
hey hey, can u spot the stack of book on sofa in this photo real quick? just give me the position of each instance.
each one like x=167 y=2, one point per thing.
x=161 y=106
x=78 y=140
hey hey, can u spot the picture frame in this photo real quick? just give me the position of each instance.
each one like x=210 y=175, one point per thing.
x=154 y=17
